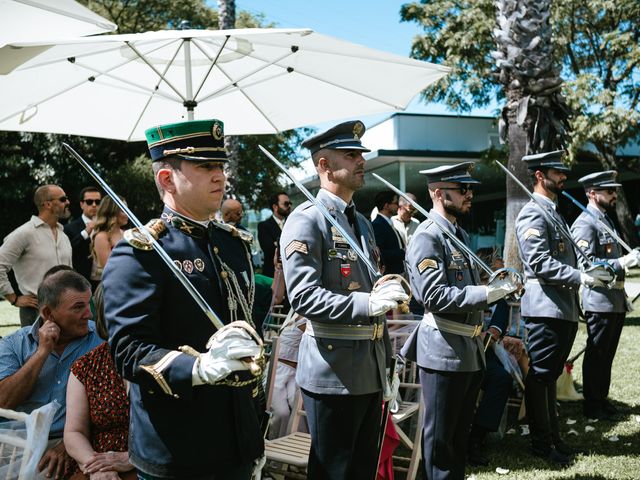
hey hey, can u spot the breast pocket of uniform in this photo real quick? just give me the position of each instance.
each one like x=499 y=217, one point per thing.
x=557 y=245
x=456 y=271
x=606 y=245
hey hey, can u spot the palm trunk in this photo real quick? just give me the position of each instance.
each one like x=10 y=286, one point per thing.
x=227 y=21
x=516 y=198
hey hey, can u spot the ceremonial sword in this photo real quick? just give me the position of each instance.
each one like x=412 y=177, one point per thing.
x=402 y=306
x=208 y=311
x=459 y=243
x=602 y=223
x=325 y=213
x=560 y=227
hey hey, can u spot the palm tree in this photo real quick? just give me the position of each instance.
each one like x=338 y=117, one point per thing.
x=227 y=21
x=535 y=117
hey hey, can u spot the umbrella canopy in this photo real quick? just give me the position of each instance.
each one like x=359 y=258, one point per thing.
x=255 y=80
x=28 y=20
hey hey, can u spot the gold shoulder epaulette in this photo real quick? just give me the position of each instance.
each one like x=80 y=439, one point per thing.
x=235 y=232
x=137 y=239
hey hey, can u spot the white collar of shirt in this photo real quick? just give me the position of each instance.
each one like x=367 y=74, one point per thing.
x=339 y=203
x=38 y=222
x=85 y=219
x=279 y=222
x=389 y=221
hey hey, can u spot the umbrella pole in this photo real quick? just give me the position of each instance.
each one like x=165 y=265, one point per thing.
x=190 y=103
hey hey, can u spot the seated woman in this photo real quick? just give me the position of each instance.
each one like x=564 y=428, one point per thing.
x=97 y=423
x=107 y=231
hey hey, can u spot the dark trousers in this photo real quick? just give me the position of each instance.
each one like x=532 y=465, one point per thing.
x=449 y=401
x=242 y=472
x=344 y=435
x=604 y=331
x=28 y=315
x=496 y=387
x=549 y=344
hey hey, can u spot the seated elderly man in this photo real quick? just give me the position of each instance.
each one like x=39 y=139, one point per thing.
x=35 y=361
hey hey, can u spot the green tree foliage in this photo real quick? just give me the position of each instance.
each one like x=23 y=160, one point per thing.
x=33 y=159
x=596 y=43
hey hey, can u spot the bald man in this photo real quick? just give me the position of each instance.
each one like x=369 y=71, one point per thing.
x=33 y=248
x=232 y=212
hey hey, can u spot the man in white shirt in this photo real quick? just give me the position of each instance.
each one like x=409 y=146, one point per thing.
x=403 y=222
x=79 y=232
x=33 y=248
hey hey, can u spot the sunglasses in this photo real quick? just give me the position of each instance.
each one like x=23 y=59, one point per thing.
x=61 y=199
x=91 y=201
x=287 y=204
x=609 y=190
x=463 y=189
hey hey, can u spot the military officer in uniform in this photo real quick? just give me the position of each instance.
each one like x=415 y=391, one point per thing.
x=193 y=415
x=604 y=308
x=343 y=352
x=447 y=345
x=549 y=305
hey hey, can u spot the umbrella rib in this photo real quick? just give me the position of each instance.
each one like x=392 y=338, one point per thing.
x=213 y=61
x=246 y=75
x=128 y=44
x=268 y=120
x=127 y=82
x=146 y=106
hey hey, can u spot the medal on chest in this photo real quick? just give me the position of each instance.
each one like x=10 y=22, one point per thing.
x=345 y=269
x=561 y=246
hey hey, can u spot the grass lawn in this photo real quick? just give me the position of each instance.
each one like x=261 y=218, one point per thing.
x=9 y=318
x=607 y=459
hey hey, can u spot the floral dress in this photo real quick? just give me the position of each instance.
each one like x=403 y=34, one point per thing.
x=108 y=401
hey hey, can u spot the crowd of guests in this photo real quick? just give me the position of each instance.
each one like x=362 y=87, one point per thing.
x=62 y=354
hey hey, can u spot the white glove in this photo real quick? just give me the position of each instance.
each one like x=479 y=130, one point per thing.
x=499 y=288
x=385 y=297
x=390 y=392
x=631 y=259
x=224 y=356
x=596 y=276
x=258 y=465
x=588 y=281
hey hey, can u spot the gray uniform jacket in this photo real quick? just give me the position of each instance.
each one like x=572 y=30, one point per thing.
x=326 y=282
x=600 y=246
x=549 y=264
x=443 y=280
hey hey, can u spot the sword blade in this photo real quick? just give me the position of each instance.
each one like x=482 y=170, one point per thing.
x=208 y=311
x=561 y=228
x=602 y=223
x=459 y=243
x=325 y=213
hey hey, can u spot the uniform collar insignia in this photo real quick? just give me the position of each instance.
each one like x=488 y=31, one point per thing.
x=184 y=224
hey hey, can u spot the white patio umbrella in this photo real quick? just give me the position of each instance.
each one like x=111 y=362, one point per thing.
x=29 y=20
x=255 y=80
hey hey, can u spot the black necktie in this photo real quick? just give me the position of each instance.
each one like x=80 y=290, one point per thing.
x=350 y=212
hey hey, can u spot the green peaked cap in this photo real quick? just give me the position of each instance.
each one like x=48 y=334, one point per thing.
x=196 y=141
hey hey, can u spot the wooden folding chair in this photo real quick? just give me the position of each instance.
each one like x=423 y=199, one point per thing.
x=408 y=419
x=288 y=456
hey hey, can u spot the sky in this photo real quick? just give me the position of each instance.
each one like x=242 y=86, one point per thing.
x=373 y=23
